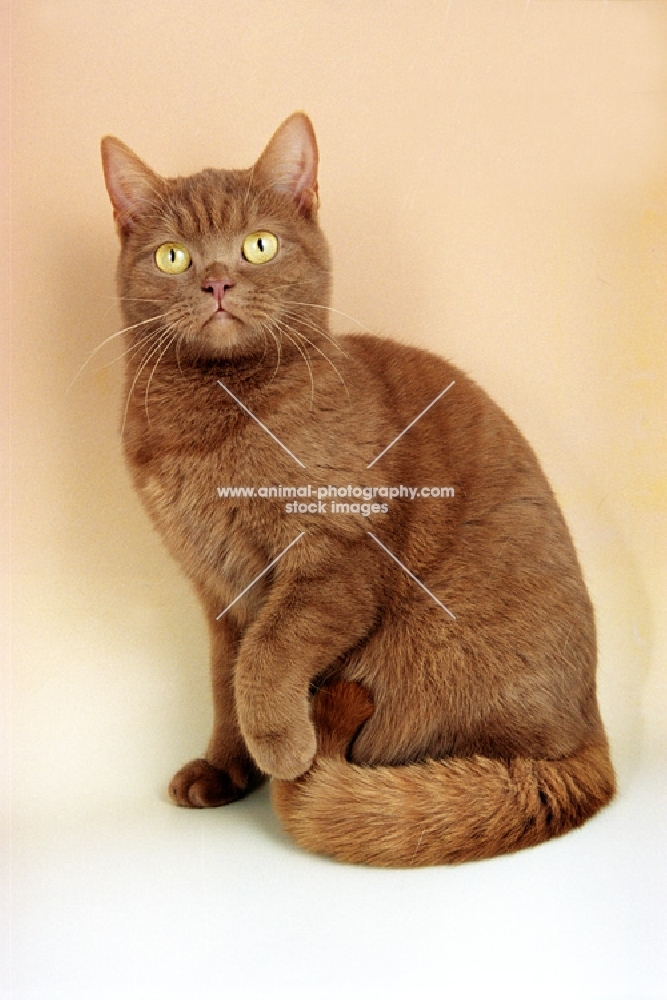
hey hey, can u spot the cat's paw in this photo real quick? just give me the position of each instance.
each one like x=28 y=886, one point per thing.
x=200 y=785
x=284 y=755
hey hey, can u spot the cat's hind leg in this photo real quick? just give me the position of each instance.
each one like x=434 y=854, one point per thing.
x=338 y=710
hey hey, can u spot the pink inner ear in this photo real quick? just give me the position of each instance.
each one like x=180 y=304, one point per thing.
x=128 y=180
x=305 y=187
x=289 y=161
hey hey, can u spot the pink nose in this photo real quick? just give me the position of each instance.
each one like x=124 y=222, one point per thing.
x=217 y=287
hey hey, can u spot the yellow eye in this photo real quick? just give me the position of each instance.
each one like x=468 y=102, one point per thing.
x=173 y=258
x=259 y=248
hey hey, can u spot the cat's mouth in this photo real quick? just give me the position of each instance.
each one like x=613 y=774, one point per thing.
x=220 y=322
x=222 y=315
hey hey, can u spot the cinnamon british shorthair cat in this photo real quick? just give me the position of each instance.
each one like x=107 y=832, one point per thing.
x=413 y=667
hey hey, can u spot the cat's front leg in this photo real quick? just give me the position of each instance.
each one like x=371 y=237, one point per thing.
x=299 y=633
x=227 y=771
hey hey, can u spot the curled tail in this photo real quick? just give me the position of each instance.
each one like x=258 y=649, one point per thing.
x=435 y=811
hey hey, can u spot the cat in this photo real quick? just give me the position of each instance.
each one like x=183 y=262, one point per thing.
x=417 y=676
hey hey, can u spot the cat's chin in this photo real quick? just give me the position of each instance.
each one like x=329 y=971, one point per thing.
x=226 y=337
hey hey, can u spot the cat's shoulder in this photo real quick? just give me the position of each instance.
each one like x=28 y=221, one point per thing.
x=406 y=364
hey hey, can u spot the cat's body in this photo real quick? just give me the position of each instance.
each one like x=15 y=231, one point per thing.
x=476 y=699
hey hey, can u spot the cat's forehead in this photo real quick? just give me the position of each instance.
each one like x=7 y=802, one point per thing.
x=215 y=203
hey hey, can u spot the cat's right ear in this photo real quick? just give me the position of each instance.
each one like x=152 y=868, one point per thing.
x=129 y=181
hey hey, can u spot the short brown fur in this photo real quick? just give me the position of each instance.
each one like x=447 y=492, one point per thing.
x=485 y=734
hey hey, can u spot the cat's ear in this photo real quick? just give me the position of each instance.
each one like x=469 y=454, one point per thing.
x=289 y=162
x=129 y=181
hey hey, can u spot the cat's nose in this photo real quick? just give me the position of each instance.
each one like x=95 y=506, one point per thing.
x=218 y=287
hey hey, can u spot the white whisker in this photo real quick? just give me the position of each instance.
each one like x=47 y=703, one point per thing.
x=151 y=353
x=339 y=312
x=118 y=333
x=326 y=357
x=170 y=341
x=296 y=344
x=133 y=348
x=316 y=329
x=279 y=349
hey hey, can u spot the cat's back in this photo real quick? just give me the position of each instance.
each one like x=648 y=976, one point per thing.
x=457 y=427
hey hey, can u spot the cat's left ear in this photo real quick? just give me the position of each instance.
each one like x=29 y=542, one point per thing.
x=130 y=182
x=289 y=162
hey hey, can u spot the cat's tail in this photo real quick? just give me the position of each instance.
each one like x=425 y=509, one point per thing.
x=436 y=811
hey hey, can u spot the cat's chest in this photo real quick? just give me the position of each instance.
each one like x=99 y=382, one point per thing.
x=199 y=496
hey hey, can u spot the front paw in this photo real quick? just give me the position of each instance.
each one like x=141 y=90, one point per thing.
x=287 y=754
x=200 y=785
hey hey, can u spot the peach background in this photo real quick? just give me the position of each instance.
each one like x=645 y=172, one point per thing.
x=494 y=187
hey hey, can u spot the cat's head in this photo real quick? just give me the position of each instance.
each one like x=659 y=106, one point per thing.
x=229 y=260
